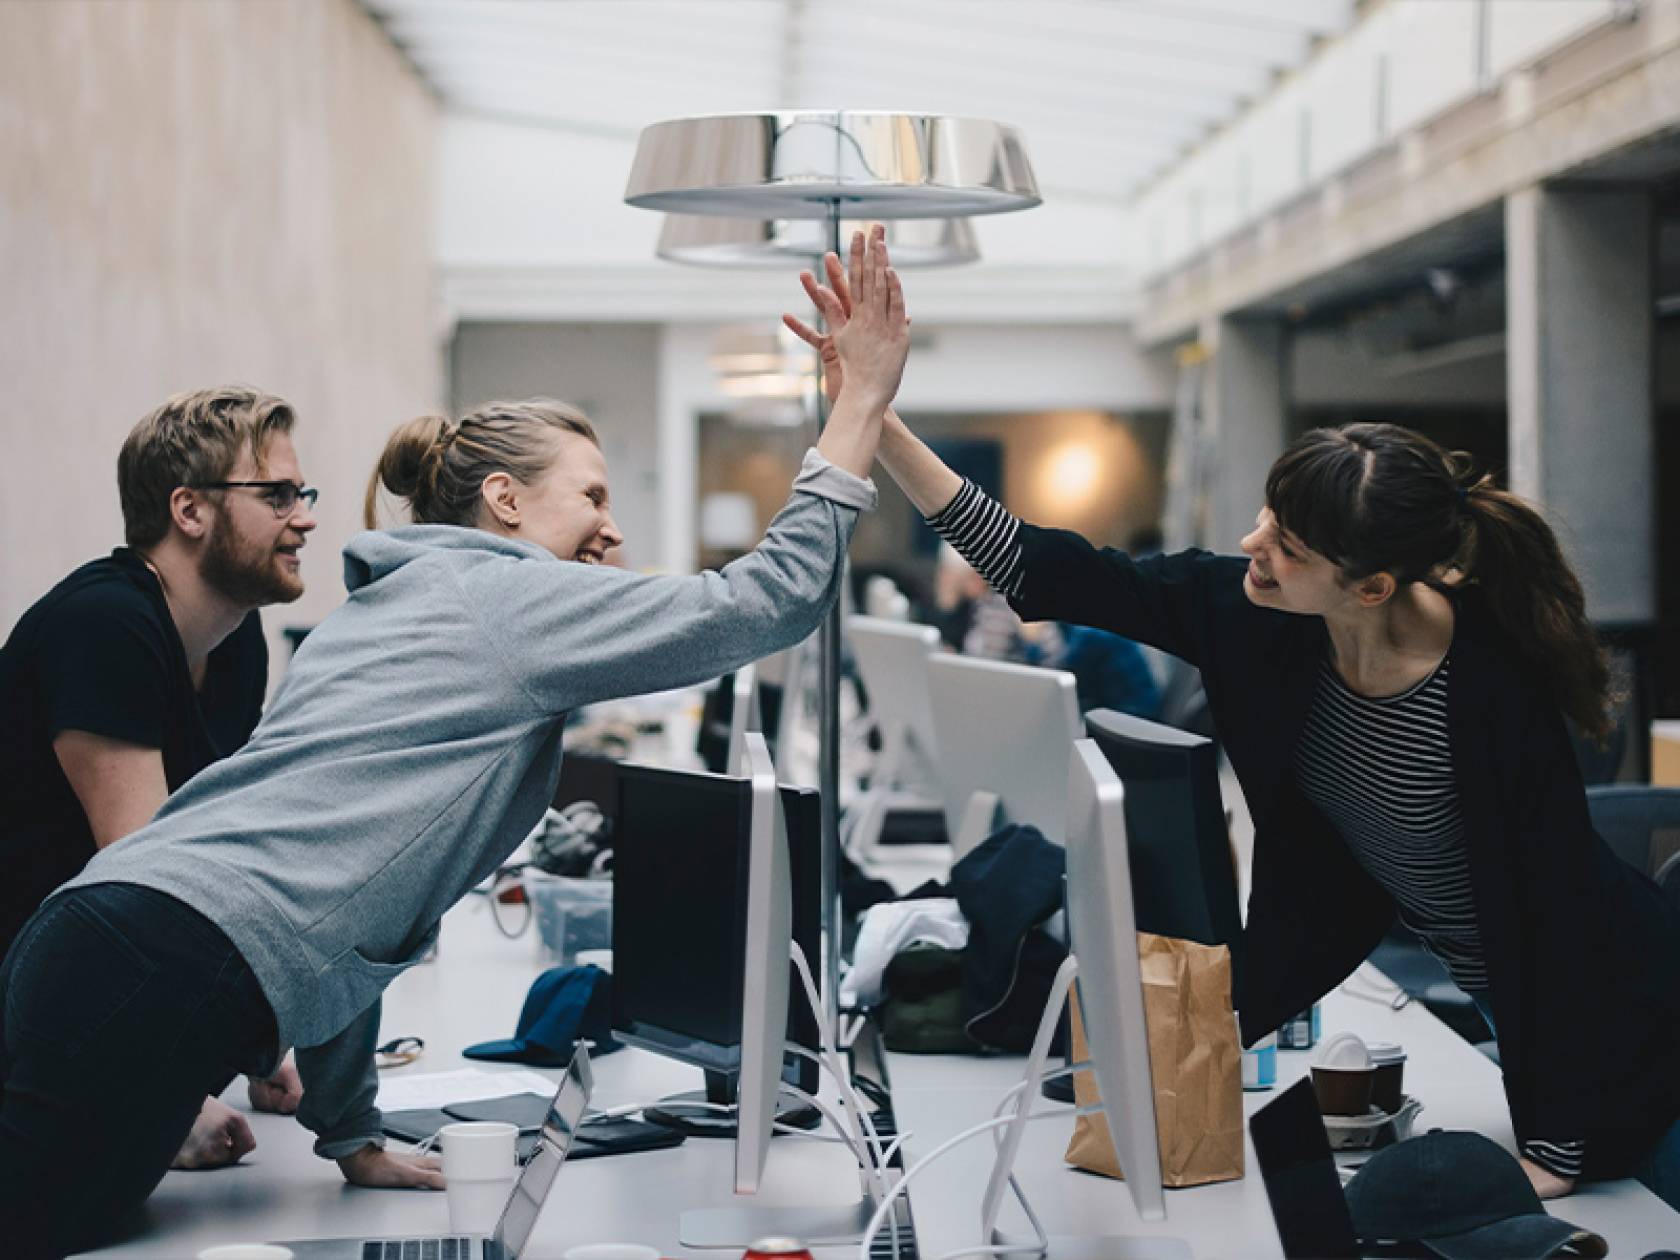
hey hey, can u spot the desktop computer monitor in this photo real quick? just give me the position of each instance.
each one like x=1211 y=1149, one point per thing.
x=1102 y=938
x=1004 y=729
x=893 y=658
x=762 y=696
x=681 y=866
x=1182 y=868
x=744 y=715
x=590 y=777
x=765 y=977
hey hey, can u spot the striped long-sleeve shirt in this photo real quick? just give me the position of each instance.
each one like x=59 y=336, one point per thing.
x=1379 y=769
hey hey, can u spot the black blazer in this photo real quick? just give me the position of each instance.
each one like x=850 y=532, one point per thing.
x=1583 y=953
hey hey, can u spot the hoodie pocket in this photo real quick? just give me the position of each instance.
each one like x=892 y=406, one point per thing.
x=352 y=981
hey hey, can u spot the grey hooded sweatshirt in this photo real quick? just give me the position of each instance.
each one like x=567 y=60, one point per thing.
x=415 y=741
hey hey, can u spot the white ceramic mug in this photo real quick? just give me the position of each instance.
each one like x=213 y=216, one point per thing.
x=478 y=1170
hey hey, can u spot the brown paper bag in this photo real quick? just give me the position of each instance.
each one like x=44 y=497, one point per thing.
x=1194 y=1060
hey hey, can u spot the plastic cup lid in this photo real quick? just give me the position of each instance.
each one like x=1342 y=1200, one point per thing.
x=1344 y=1052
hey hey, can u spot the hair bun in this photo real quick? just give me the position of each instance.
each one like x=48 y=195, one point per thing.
x=409 y=464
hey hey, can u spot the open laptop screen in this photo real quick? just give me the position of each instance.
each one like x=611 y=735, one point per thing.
x=1301 y=1182
x=559 y=1127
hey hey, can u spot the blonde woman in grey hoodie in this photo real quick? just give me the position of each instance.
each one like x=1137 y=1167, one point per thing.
x=412 y=745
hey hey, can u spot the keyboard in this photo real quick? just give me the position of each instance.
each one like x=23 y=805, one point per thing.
x=419 y=1249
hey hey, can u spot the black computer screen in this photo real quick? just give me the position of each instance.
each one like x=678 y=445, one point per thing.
x=679 y=883
x=588 y=777
x=679 y=889
x=1308 y=1205
x=1183 y=880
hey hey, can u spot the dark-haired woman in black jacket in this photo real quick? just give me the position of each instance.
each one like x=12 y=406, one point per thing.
x=1390 y=669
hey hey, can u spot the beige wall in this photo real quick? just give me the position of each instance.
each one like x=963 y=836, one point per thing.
x=192 y=193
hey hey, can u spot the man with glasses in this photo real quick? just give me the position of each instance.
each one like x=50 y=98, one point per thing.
x=143 y=667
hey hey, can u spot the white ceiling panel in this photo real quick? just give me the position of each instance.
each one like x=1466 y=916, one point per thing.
x=1107 y=93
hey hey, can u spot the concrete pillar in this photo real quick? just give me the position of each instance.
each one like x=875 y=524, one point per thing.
x=1244 y=411
x=1581 y=332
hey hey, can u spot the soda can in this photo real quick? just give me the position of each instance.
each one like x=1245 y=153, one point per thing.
x=778 y=1249
x=1259 y=1064
x=1301 y=1032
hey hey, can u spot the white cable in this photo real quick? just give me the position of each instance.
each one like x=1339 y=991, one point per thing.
x=870 y=1136
x=903 y=1184
x=864 y=1130
x=1015 y=1187
x=859 y=1152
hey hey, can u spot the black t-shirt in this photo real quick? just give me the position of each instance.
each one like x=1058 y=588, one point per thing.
x=100 y=653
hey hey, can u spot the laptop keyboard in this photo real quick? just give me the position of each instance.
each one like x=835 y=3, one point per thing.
x=419 y=1249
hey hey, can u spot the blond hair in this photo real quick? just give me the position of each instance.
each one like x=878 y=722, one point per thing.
x=438 y=466
x=191 y=440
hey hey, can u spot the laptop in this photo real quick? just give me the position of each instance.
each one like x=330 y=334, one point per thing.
x=1301 y=1180
x=519 y=1214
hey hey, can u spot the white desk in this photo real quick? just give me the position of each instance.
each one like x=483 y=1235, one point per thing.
x=474 y=992
x=936 y=1097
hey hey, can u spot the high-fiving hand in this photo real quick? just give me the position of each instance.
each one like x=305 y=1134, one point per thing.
x=869 y=332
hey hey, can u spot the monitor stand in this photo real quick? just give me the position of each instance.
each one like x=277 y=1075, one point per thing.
x=1061 y=1247
x=736 y=1228
x=1065 y=1247
x=695 y=1112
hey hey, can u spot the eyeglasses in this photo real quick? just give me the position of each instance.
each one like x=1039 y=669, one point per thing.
x=282 y=496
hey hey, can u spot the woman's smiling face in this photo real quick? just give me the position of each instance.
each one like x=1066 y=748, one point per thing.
x=1284 y=574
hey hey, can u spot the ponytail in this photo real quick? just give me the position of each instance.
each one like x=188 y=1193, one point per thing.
x=439 y=466
x=1511 y=558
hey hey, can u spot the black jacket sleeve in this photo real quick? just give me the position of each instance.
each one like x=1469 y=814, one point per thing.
x=1169 y=602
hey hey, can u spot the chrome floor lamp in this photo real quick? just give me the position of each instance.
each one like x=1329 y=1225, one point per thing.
x=743 y=190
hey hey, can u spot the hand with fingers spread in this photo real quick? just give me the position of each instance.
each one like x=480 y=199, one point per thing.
x=835 y=303
x=919 y=472
x=863 y=353
x=867 y=333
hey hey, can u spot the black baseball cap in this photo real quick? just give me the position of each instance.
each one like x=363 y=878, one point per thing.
x=1462 y=1196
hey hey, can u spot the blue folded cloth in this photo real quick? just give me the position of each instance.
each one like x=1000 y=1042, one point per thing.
x=565 y=1005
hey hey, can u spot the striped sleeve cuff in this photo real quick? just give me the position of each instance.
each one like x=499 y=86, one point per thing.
x=1562 y=1159
x=984 y=533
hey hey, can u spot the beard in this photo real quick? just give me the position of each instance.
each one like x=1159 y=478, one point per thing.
x=246 y=572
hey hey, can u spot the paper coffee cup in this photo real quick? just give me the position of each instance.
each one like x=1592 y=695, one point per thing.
x=478 y=1171
x=1388 y=1089
x=1343 y=1091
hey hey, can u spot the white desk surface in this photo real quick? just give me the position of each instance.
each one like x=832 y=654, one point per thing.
x=474 y=992
x=936 y=1097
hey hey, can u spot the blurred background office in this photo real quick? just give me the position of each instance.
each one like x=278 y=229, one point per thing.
x=1458 y=215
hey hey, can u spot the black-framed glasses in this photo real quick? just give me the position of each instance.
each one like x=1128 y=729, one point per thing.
x=282 y=496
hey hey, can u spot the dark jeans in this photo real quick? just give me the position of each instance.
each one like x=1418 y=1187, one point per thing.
x=120 y=1009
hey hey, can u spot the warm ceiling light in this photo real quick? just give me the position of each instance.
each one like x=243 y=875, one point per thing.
x=1073 y=473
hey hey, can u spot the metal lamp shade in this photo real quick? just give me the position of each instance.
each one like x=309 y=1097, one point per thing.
x=801 y=164
x=703 y=241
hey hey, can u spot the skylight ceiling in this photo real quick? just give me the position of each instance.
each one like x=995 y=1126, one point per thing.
x=1107 y=93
